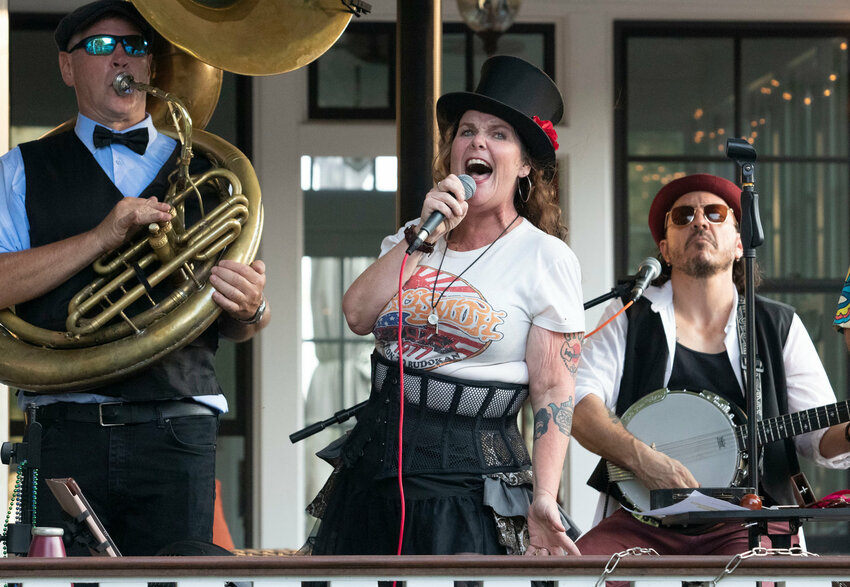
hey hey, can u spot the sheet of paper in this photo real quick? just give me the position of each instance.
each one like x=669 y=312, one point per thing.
x=695 y=502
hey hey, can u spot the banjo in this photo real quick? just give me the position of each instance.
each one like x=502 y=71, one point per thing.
x=698 y=430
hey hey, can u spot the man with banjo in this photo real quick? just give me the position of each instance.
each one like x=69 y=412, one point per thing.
x=683 y=335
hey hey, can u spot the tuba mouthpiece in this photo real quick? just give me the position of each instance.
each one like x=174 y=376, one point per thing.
x=122 y=84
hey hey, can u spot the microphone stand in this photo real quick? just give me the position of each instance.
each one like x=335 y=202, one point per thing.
x=752 y=236
x=338 y=418
x=618 y=291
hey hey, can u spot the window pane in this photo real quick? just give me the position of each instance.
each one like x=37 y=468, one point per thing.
x=38 y=99
x=803 y=209
x=343 y=173
x=680 y=96
x=325 y=298
x=386 y=173
x=358 y=371
x=795 y=96
x=352 y=267
x=528 y=46
x=355 y=71
x=644 y=181
x=454 y=68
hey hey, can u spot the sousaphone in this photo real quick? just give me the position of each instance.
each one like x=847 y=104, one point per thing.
x=103 y=342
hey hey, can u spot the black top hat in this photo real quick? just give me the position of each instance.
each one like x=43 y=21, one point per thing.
x=515 y=91
x=88 y=14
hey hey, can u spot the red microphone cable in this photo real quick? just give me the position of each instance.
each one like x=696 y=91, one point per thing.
x=608 y=321
x=400 y=404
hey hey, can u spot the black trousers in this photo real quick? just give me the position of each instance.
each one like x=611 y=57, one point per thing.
x=150 y=484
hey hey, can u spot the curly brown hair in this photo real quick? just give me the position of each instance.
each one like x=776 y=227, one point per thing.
x=540 y=206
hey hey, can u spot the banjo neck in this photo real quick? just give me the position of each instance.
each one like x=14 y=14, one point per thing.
x=788 y=425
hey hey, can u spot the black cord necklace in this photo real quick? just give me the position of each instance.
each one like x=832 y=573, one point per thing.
x=433 y=320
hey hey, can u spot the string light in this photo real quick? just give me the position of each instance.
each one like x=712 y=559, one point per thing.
x=786 y=96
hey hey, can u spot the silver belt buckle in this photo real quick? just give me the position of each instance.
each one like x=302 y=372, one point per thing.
x=100 y=414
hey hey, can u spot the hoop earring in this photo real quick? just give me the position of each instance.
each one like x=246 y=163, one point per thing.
x=519 y=189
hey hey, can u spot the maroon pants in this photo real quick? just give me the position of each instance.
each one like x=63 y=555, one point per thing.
x=621 y=531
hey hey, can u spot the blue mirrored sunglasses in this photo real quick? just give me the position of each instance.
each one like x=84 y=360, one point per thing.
x=134 y=45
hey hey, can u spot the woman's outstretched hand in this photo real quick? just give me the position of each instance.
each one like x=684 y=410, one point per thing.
x=546 y=533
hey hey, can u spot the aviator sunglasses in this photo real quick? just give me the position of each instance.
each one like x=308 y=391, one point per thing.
x=684 y=215
x=134 y=45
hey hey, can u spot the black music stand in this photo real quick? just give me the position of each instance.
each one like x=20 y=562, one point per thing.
x=757 y=520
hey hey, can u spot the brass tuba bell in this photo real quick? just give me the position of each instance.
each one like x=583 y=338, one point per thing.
x=103 y=343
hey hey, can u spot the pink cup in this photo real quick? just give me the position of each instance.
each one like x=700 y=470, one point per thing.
x=46 y=542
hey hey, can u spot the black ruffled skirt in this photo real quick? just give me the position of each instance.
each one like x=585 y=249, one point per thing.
x=444 y=514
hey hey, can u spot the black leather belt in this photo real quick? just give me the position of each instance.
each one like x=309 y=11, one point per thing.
x=120 y=413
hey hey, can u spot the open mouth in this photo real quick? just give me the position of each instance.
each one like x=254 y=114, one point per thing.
x=478 y=168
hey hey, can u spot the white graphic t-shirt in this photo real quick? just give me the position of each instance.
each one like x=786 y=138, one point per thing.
x=485 y=315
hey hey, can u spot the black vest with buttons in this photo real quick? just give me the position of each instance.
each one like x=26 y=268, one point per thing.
x=643 y=372
x=67 y=193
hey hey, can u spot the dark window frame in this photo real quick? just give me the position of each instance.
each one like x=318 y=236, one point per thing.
x=316 y=112
x=627 y=29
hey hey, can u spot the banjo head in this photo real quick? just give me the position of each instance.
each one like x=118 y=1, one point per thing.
x=694 y=428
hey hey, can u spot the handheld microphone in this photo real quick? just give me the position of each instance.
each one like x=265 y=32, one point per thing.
x=648 y=270
x=437 y=217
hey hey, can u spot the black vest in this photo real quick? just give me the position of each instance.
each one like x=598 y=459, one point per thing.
x=643 y=372
x=67 y=194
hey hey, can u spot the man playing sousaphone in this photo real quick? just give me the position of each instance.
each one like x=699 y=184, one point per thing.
x=682 y=335
x=142 y=449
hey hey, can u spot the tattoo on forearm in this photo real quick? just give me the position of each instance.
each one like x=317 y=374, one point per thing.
x=541 y=423
x=571 y=350
x=614 y=418
x=562 y=416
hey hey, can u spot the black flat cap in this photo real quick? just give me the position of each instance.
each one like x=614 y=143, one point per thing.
x=88 y=14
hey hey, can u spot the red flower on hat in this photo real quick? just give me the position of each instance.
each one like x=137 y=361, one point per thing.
x=549 y=129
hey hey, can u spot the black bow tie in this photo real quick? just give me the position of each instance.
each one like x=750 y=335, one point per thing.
x=136 y=140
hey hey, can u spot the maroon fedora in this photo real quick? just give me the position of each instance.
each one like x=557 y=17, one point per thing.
x=699 y=182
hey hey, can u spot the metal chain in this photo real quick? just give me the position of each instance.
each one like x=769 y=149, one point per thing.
x=759 y=551
x=615 y=560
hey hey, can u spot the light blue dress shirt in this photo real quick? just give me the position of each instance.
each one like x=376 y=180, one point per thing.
x=130 y=172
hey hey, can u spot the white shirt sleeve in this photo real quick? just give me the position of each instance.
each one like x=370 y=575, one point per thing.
x=601 y=365
x=808 y=387
x=558 y=294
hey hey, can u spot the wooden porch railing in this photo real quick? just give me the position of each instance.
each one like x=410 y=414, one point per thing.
x=423 y=571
